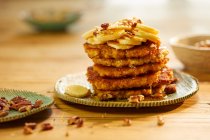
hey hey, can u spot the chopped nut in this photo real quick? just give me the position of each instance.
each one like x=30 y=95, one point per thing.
x=105 y=26
x=160 y=120
x=134 y=25
x=3 y=113
x=25 y=108
x=136 y=98
x=38 y=103
x=67 y=134
x=170 y=89
x=79 y=123
x=126 y=122
x=31 y=125
x=27 y=130
x=22 y=109
x=75 y=120
x=46 y=126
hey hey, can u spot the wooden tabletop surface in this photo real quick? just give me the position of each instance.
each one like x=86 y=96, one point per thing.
x=33 y=61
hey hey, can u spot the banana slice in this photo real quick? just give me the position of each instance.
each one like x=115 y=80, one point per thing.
x=77 y=91
x=88 y=34
x=106 y=35
x=147 y=29
x=131 y=41
x=146 y=35
x=117 y=45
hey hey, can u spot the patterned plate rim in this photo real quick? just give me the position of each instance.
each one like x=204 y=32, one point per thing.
x=85 y=101
x=28 y=113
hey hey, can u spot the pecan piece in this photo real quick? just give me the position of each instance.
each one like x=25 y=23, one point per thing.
x=27 y=130
x=46 y=126
x=105 y=26
x=160 y=120
x=75 y=120
x=3 y=113
x=31 y=125
x=38 y=103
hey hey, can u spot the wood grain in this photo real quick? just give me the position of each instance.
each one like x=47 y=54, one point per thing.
x=34 y=61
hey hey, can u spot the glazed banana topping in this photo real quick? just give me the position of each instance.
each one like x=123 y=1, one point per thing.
x=123 y=34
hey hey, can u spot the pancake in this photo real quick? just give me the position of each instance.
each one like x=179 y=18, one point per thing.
x=157 y=92
x=105 y=71
x=105 y=51
x=121 y=83
x=131 y=62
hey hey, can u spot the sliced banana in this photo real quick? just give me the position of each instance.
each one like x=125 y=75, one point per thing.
x=131 y=41
x=147 y=29
x=88 y=34
x=77 y=91
x=117 y=45
x=147 y=35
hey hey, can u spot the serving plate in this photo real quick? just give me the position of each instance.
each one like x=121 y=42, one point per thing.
x=31 y=96
x=187 y=86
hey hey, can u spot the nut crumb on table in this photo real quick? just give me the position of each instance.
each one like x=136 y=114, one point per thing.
x=160 y=121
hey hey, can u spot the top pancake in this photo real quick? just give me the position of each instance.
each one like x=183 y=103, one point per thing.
x=105 y=51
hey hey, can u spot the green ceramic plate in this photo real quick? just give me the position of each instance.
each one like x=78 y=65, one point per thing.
x=187 y=86
x=32 y=96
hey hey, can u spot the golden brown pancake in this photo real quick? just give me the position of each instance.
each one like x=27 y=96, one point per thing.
x=131 y=62
x=104 y=51
x=106 y=71
x=121 y=83
x=156 y=92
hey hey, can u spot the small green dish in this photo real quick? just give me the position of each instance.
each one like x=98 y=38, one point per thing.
x=51 y=20
x=32 y=96
x=187 y=86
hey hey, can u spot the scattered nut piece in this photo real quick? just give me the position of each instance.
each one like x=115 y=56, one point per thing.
x=67 y=134
x=46 y=126
x=27 y=130
x=31 y=125
x=136 y=98
x=77 y=91
x=79 y=123
x=160 y=120
x=75 y=120
x=126 y=122
x=3 y=113
x=105 y=26
x=72 y=120
x=38 y=103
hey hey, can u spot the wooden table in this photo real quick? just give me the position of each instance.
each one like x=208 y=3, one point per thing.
x=34 y=61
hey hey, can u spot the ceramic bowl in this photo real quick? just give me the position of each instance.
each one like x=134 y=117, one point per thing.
x=49 y=19
x=193 y=57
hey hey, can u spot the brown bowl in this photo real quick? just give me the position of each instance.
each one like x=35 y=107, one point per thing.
x=193 y=57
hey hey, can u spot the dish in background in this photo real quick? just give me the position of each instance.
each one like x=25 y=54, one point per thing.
x=50 y=20
x=193 y=57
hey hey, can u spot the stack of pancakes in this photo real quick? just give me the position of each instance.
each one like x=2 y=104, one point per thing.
x=128 y=61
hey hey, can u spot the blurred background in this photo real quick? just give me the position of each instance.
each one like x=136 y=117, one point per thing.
x=32 y=44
